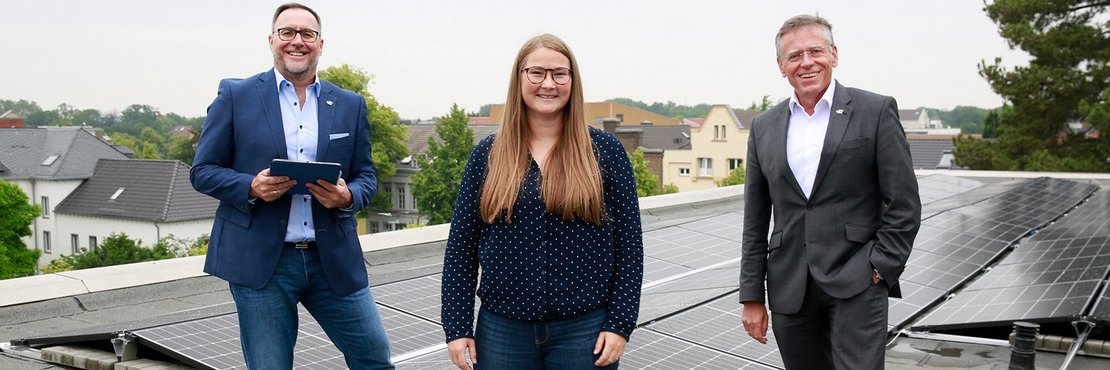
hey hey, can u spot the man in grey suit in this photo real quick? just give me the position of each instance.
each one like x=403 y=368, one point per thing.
x=833 y=167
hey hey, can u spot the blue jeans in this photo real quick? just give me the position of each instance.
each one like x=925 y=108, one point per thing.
x=268 y=316
x=504 y=343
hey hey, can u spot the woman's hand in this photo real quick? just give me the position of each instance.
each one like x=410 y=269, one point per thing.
x=609 y=348
x=463 y=353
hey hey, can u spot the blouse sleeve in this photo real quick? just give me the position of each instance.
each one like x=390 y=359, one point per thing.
x=623 y=209
x=460 y=260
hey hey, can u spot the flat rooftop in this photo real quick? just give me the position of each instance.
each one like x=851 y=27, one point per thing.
x=692 y=255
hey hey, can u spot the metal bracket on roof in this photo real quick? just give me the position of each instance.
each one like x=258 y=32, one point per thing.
x=1083 y=328
x=125 y=347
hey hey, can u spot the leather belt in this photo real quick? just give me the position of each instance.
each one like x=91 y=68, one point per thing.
x=307 y=244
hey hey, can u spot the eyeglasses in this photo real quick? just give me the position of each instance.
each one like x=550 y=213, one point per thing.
x=287 y=34
x=814 y=52
x=536 y=75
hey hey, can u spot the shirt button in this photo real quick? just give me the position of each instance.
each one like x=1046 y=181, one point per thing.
x=302 y=151
x=306 y=223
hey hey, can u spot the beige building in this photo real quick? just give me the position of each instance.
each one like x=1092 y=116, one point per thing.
x=718 y=145
x=595 y=112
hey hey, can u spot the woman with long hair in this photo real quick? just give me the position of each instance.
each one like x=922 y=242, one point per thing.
x=547 y=210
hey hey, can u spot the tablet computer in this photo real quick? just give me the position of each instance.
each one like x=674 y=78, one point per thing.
x=305 y=172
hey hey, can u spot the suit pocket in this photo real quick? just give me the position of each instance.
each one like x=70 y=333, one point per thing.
x=775 y=242
x=234 y=216
x=338 y=136
x=855 y=143
x=859 y=234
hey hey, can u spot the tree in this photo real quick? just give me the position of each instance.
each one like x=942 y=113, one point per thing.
x=183 y=148
x=118 y=249
x=735 y=177
x=441 y=167
x=387 y=135
x=647 y=184
x=763 y=105
x=16 y=216
x=1067 y=81
x=670 y=108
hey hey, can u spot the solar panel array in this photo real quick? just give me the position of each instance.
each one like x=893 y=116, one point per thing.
x=1054 y=275
x=690 y=318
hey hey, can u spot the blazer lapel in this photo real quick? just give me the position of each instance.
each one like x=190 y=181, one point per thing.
x=267 y=92
x=782 y=127
x=325 y=114
x=838 y=121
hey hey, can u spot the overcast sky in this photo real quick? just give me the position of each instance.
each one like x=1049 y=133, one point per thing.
x=426 y=55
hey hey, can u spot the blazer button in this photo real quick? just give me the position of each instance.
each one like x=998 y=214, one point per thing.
x=809 y=208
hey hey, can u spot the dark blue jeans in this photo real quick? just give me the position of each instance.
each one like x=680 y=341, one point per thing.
x=504 y=343
x=268 y=316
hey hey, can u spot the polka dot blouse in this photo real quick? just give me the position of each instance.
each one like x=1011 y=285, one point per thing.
x=540 y=267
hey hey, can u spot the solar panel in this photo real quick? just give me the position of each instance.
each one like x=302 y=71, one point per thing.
x=651 y=350
x=408 y=334
x=718 y=325
x=937 y=187
x=729 y=226
x=915 y=299
x=689 y=248
x=1001 y=306
x=419 y=296
x=1101 y=311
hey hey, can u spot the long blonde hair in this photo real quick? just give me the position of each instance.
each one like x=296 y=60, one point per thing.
x=571 y=184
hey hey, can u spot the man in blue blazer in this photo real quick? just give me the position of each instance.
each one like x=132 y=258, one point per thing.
x=275 y=248
x=832 y=165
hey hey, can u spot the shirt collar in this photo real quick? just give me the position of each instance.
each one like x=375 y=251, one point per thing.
x=826 y=98
x=280 y=79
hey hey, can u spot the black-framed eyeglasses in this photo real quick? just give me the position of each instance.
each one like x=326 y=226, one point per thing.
x=287 y=34
x=814 y=52
x=536 y=75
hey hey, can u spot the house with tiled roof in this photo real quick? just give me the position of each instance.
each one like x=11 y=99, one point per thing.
x=399 y=186
x=717 y=146
x=48 y=164
x=146 y=199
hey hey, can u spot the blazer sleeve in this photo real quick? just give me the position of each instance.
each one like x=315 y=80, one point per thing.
x=901 y=218
x=757 y=218
x=363 y=180
x=212 y=172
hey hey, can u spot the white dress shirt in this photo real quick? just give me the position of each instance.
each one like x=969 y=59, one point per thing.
x=805 y=137
x=301 y=125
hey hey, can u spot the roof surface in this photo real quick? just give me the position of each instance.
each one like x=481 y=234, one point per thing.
x=152 y=190
x=25 y=150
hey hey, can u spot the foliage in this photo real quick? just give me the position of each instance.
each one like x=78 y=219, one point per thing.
x=763 y=105
x=441 y=168
x=387 y=134
x=670 y=108
x=647 y=184
x=968 y=119
x=415 y=226
x=16 y=216
x=670 y=189
x=1067 y=81
x=118 y=249
x=735 y=177
x=483 y=111
x=62 y=264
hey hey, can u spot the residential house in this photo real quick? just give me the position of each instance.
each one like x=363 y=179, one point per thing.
x=48 y=164
x=11 y=120
x=931 y=152
x=655 y=141
x=145 y=199
x=404 y=211
x=717 y=146
x=598 y=111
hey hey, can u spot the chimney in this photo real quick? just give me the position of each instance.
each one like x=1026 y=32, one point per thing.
x=611 y=124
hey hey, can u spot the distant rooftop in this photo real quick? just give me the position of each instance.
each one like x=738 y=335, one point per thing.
x=52 y=153
x=138 y=189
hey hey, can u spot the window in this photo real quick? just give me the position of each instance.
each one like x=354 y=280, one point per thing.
x=45 y=207
x=116 y=194
x=723 y=131
x=733 y=163
x=401 y=196
x=92 y=243
x=684 y=171
x=46 y=242
x=705 y=167
x=73 y=243
x=373 y=227
x=716 y=132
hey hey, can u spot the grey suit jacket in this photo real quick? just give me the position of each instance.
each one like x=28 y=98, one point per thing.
x=863 y=213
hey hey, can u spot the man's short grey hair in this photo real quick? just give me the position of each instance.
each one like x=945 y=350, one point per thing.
x=802 y=21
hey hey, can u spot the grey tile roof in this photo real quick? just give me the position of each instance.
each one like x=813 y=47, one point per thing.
x=665 y=137
x=419 y=134
x=927 y=152
x=154 y=190
x=908 y=114
x=744 y=117
x=24 y=150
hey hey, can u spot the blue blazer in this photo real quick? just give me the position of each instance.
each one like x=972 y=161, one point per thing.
x=242 y=133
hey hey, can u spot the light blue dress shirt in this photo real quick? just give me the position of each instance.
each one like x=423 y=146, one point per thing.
x=301 y=132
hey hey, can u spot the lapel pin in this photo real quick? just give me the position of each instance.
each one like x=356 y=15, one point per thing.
x=331 y=103
x=838 y=111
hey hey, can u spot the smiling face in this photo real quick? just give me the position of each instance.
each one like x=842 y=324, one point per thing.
x=545 y=99
x=296 y=59
x=807 y=60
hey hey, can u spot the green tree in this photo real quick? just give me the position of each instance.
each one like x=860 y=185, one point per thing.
x=387 y=134
x=118 y=249
x=183 y=148
x=1067 y=80
x=735 y=177
x=763 y=105
x=437 y=182
x=670 y=108
x=647 y=184
x=22 y=108
x=16 y=216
